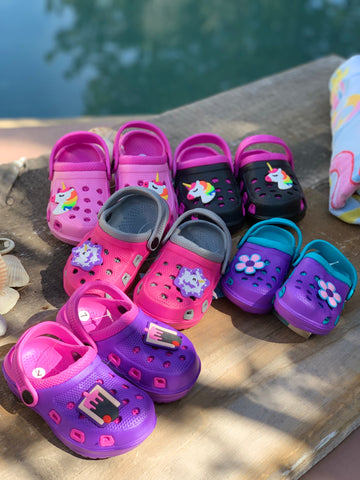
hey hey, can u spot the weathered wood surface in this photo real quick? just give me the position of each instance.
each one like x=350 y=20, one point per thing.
x=268 y=404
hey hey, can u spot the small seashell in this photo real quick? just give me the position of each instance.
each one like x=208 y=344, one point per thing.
x=107 y=134
x=8 y=299
x=3 y=273
x=6 y=245
x=3 y=326
x=16 y=273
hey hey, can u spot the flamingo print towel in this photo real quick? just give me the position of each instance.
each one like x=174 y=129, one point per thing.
x=344 y=173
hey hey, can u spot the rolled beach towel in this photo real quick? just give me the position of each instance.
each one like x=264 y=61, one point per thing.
x=344 y=175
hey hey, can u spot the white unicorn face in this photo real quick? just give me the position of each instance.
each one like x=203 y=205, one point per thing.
x=62 y=196
x=66 y=200
x=158 y=187
x=201 y=189
x=277 y=175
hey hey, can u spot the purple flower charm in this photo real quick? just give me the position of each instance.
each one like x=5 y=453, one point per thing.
x=86 y=256
x=327 y=291
x=249 y=265
x=191 y=282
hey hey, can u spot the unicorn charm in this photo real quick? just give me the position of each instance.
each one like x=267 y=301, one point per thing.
x=87 y=255
x=158 y=187
x=191 y=282
x=66 y=200
x=201 y=189
x=277 y=175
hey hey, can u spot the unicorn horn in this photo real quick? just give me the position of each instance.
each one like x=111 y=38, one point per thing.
x=187 y=185
x=63 y=186
x=157 y=177
x=269 y=166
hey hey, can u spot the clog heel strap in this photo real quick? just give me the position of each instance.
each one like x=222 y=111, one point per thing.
x=143 y=126
x=161 y=219
x=201 y=139
x=79 y=137
x=110 y=292
x=26 y=390
x=243 y=157
x=275 y=221
x=209 y=215
x=331 y=258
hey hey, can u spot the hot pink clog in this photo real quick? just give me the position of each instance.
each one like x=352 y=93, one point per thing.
x=178 y=287
x=131 y=224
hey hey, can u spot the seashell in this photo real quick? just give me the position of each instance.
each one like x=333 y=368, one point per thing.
x=3 y=273
x=16 y=273
x=3 y=326
x=6 y=245
x=107 y=134
x=8 y=299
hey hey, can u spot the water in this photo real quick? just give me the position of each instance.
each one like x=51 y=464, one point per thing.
x=64 y=58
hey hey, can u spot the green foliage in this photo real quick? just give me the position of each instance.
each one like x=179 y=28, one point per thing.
x=150 y=55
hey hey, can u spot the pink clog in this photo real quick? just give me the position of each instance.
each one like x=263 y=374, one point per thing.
x=80 y=173
x=142 y=157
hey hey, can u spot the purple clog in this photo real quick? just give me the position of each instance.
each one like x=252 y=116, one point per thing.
x=313 y=297
x=93 y=411
x=155 y=357
x=261 y=264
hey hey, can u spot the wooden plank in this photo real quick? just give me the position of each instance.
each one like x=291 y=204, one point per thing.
x=268 y=404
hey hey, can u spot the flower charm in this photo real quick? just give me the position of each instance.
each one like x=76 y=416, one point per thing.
x=327 y=291
x=86 y=256
x=191 y=282
x=249 y=265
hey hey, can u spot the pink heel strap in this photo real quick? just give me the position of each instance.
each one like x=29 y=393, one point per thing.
x=243 y=158
x=27 y=392
x=80 y=138
x=144 y=126
x=199 y=139
x=72 y=307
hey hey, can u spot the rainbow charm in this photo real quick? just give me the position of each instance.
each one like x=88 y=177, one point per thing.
x=277 y=175
x=66 y=200
x=201 y=189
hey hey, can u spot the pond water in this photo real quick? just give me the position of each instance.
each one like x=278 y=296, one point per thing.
x=64 y=58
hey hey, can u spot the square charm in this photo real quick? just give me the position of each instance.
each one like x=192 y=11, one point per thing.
x=159 y=336
x=100 y=406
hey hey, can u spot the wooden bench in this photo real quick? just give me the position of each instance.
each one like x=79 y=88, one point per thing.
x=268 y=404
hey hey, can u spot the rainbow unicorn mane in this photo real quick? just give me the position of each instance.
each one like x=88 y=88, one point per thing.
x=71 y=201
x=279 y=176
x=66 y=199
x=208 y=188
x=286 y=178
x=201 y=189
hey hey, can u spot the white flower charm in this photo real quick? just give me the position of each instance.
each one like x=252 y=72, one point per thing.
x=249 y=265
x=327 y=291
